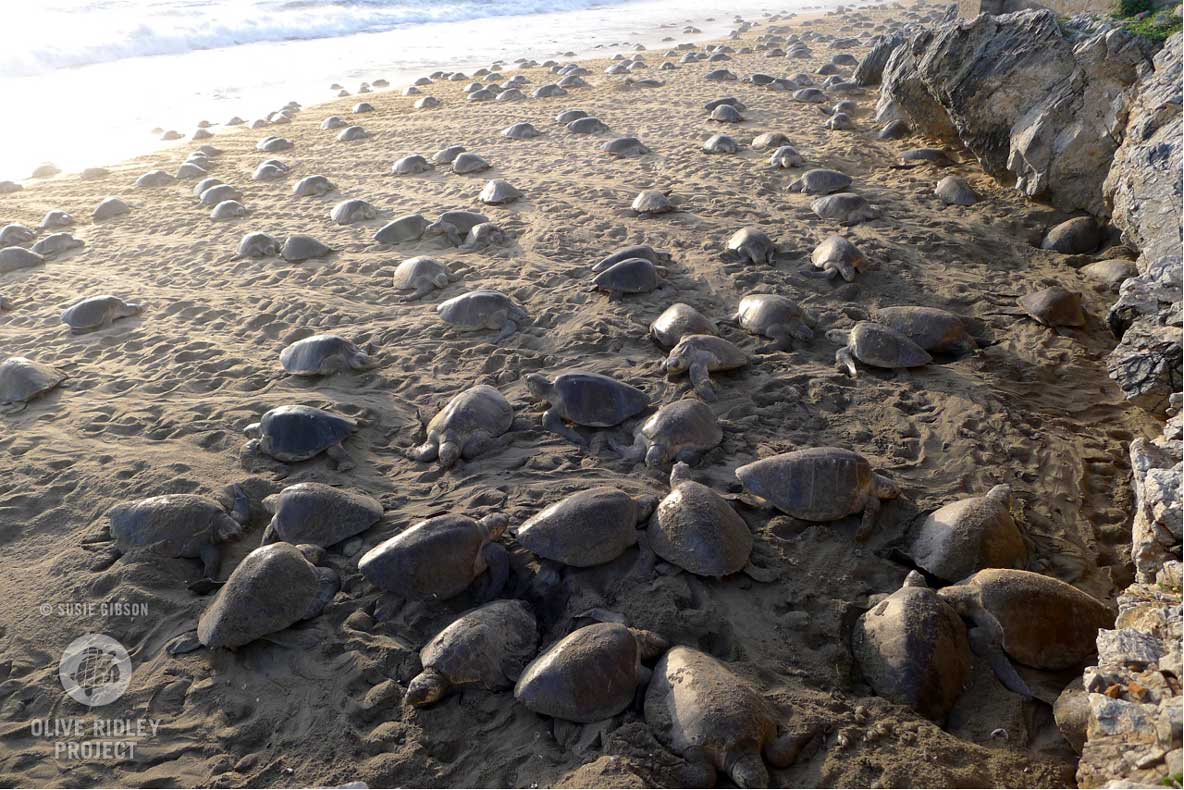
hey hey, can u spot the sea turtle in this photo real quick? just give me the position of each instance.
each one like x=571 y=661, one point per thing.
x=820 y=484
x=324 y=355
x=189 y=526
x=700 y=355
x=439 y=558
x=730 y=100
x=509 y=95
x=56 y=244
x=216 y=194
x=154 y=178
x=299 y=247
x=483 y=309
x=846 y=106
x=720 y=75
x=786 y=157
x=625 y=146
x=894 y=130
x=334 y=122
x=108 y=208
x=298 y=433
x=1037 y=620
x=590 y=527
x=411 y=165
x=1073 y=237
x=877 y=345
x=954 y=191
x=721 y=144
x=191 y=170
x=935 y=330
x=22 y=380
x=676 y=322
x=498 y=192
x=258 y=245
x=362 y=107
x=726 y=113
x=466 y=426
x=702 y=710
x=697 y=530
x=680 y=431
x=652 y=201
x=630 y=276
x=820 y=181
x=273 y=145
x=840 y=122
x=273 y=588
x=845 y=208
x=767 y=140
x=486 y=647
x=446 y=155
x=584 y=398
x=483 y=235
x=319 y=514
x=752 y=245
x=837 y=256
x=228 y=209
x=1109 y=274
x=348 y=212
x=422 y=275
x=809 y=96
x=776 y=317
x=313 y=186
x=632 y=251
x=548 y=91
x=15 y=234
x=97 y=312
x=591 y=674
x=521 y=131
x=1054 y=307
x=468 y=162
x=926 y=156
x=968 y=535
x=409 y=227
x=427 y=103
x=567 y=116
x=587 y=125
x=454 y=224
x=352 y=134
x=912 y=649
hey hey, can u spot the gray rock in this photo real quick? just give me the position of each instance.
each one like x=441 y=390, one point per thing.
x=1147 y=364
x=871 y=68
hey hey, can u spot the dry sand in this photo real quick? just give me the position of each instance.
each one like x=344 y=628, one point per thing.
x=157 y=404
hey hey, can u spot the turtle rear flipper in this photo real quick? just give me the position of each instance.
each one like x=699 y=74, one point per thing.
x=986 y=639
x=185 y=643
x=497 y=560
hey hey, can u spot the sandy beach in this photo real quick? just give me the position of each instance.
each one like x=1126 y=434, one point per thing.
x=157 y=404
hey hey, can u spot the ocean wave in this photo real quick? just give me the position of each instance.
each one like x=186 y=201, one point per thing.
x=119 y=29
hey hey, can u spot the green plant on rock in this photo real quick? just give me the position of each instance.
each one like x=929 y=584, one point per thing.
x=1140 y=18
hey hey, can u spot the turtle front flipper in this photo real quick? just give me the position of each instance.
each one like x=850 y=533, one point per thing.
x=701 y=380
x=497 y=560
x=986 y=639
x=871 y=508
x=748 y=770
x=211 y=560
x=185 y=643
x=845 y=360
x=340 y=457
x=424 y=288
x=553 y=422
x=425 y=688
x=328 y=583
x=270 y=535
x=783 y=751
x=427 y=452
x=782 y=340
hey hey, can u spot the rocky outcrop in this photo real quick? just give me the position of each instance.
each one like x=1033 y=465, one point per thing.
x=1035 y=102
x=1148 y=363
x=871 y=69
x=1142 y=190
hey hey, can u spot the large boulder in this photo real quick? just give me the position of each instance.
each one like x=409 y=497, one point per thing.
x=1148 y=363
x=1143 y=190
x=1034 y=101
x=871 y=69
x=1156 y=532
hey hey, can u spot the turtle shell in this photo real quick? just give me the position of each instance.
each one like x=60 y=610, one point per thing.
x=297 y=433
x=95 y=312
x=697 y=530
x=23 y=379
x=487 y=647
x=652 y=201
x=598 y=401
x=588 y=528
x=633 y=275
x=409 y=227
x=271 y=589
x=172 y=525
x=1055 y=306
x=760 y=313
x=412 y=271
x=644 y=251
x=677 y=321
x=968 y=535
x=434 y=559
x=821 y=181
x=589 y=675
x=846 y=208
x=15 y=258
x=320 y=354
x=321 y=515
x=817 y=484
x=912 y=649
x=687 y=424
x=479 y=408
x=883 y=347
x=473 y=310
x=937 y=331
x=300 y=247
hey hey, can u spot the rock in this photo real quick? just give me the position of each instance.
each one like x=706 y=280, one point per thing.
x=1156 y=528
x=1127 y=646
x=1142 y=189
x=1031 y=98
x=1154 y=293
x=871 y=68
x=1147 y=364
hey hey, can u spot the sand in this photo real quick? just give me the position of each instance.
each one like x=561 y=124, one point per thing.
x=157 y=404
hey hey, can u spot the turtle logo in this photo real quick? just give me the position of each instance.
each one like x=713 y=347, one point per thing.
x=95 y=670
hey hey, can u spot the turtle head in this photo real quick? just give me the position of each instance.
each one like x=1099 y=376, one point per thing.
x=962 y=597
x=1000 y=494
x=540 y=386
x=914 y=579
x=749 y=771
x=676 y=363
x=650 y=645
x=425 y=688
x=679 y=473
x=885 y=487
x=495 y=525
x=646 y=504
x=449 y=451
x=253 y=431
x=656 y=455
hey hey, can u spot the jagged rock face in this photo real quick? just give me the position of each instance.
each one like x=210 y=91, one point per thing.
x=871 y=69
x=1156 y=532
x=1143 y=190
x=1147 y=364
x=1032 y=100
